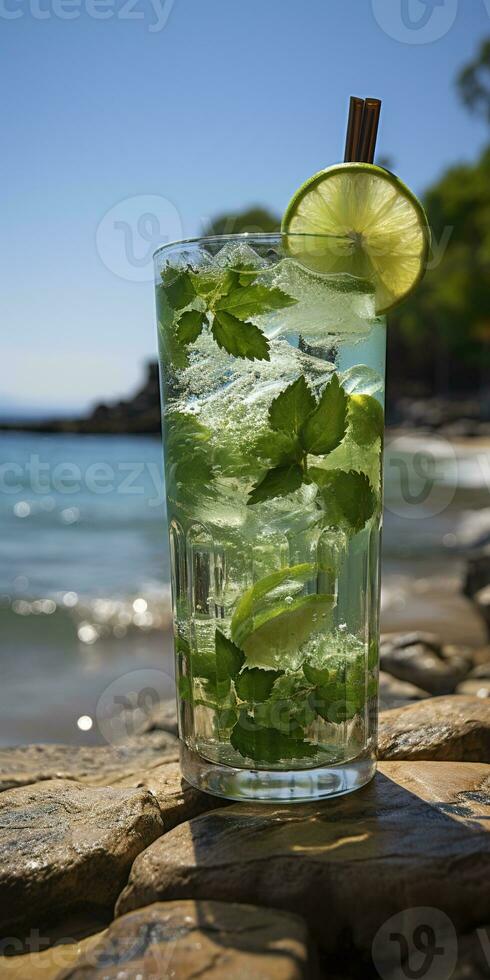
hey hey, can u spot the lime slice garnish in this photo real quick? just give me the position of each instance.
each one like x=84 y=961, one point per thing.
x=377 y=229
x=272 y=620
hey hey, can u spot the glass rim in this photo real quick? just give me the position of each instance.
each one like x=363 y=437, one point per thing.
x=259 y=236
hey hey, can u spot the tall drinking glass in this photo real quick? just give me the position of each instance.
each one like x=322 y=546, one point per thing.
x=272 y=379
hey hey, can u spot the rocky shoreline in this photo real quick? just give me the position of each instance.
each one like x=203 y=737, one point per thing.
x=114 y=868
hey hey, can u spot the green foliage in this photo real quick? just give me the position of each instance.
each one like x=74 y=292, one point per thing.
x=251 y=220
x=450 y=309
x=474 y=82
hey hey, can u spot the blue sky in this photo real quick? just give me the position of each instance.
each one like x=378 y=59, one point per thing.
x=182 y=108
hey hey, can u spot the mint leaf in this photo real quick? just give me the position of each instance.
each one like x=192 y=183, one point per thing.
x=178 y=286
x=366 y=419
x=348 y=497
x=290 y=410
x=189 y=326
x=267 y=744
x=171 y=351
x=278 y=482
x=288 y=708
x=182 y=646
x=278 y=448
x=210 y=284
x=316 y=675
x=324 y=430
x=229 y=660
x=255 y=685
x=204 y=664
x=186 y=474
x=332 y=704
x=254 y=299
x=238 y=338
x=185 y=691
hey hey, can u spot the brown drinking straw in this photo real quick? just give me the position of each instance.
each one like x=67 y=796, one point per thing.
x=369 y=131
x=362 y=130
x=354 y=126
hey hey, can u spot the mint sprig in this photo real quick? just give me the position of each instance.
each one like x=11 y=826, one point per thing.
x=348 y=497
x=267 y=745
x=305 y=426
x=227 y=303
x=277 y=482
x=325 y=427
x=229 y=334
x=229 y=661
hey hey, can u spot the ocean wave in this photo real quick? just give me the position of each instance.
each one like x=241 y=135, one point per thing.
x=91 y=619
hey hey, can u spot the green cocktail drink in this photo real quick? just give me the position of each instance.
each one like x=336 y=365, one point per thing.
x=272 y=382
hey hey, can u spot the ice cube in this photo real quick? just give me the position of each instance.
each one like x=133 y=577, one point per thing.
x=237 y=254
x=361 y=379
x=328 y=307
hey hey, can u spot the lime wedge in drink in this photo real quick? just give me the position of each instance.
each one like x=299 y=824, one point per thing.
x=377 y=229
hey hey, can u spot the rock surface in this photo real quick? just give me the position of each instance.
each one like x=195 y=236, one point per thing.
x=48 y=963
x=161 y=718
x=454 y=728
x=482 y=600
x=66 y=845
x=190 y=939
x=419 y=834
x=473 y=962
x=420 y=659
x=475 y=688
x=477 y=574
x=100 y=765
x=394 y=693
x=178 y=801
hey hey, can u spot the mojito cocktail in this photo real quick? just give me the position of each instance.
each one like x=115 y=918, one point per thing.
x=272 y=365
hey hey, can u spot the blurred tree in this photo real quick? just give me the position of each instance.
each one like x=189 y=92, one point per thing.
x=252 y=220
x=474 y=82
x=445 y=326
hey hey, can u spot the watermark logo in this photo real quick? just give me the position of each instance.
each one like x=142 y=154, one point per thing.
x=40 y=477
x=421 y=476
x=156 y=13
x=131 y=230
x=127 y=703
x=415 y=21
x=416 y=944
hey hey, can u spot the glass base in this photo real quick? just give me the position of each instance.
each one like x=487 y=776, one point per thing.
x=276 y=786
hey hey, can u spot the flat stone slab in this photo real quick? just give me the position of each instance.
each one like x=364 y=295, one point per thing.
x=190 y=939
x=47 y=963
x=97 y=765
x=418 y=835
x=66 y=846
x=178 y=801
x=446 y=729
